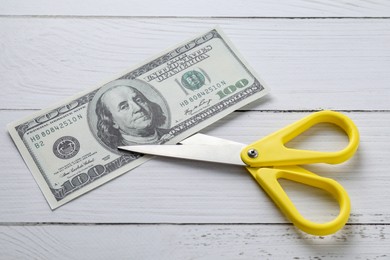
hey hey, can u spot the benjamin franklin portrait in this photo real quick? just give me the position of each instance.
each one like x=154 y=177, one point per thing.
x=129 y=112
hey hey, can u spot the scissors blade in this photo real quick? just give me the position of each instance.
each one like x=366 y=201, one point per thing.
x=195 y=148
x=199 y=138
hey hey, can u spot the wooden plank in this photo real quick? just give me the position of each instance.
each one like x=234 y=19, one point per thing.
x=308 y=64
x=236 y=8
x=190 y=242
x=51 y=51
x=174 y=191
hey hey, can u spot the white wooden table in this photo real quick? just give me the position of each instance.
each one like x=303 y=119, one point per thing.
x=314 y=55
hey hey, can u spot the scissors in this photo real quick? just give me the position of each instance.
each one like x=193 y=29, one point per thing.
x=268 y=160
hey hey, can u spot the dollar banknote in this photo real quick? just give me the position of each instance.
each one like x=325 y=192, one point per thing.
x=71 y=148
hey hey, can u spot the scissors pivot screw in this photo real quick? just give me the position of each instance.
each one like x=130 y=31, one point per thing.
x=253 y=153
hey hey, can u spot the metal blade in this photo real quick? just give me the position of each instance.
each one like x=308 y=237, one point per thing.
x=227 y=153
x=206 y=139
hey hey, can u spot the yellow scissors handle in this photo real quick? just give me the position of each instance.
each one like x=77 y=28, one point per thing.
x=268 y=179
x=271 y=150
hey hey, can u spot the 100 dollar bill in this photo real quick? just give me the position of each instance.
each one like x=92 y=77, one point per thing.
x=71 y=148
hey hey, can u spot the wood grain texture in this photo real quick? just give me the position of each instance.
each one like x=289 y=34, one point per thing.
x=190 y=242
x=200 y=8
x=172 y=209
x=173 y=191
x=308 y=64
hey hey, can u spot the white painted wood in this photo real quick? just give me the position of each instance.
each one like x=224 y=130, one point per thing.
x=190 y=242
x=200 y=8
x=174 y=191
x=308 y=64
x=184 y=209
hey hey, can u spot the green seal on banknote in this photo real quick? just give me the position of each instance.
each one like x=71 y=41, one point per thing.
x=193 y=80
